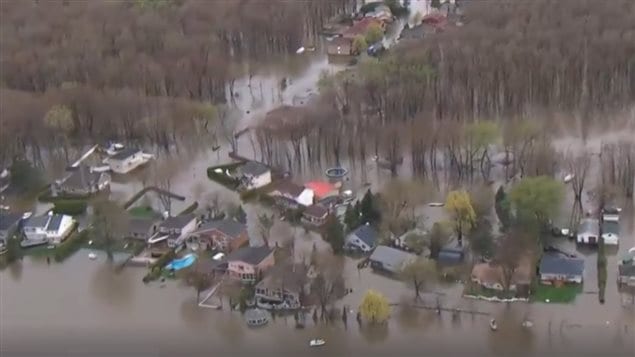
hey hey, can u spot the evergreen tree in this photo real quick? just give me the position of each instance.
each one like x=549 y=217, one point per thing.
x=351 y=217
x=501 y=205
x=334 y=234
x=368 y=209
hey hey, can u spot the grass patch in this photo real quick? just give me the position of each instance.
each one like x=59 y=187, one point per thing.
x=142 y=212
x=70 y=207
x=556 y=295
x=227 y=181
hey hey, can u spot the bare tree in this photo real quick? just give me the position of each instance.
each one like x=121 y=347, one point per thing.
x=110 y=222
x=328 y=285
x=419 y=275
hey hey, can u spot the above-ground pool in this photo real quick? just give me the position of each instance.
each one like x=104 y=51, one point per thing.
x=181 y=263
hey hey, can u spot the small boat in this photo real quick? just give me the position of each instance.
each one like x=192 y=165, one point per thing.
x=492 y=325
x=92 y=256
x=436 y=204
x=27 y=215
x=317 y=342
x=300 y=50
x=527 y=324
x=568 y=178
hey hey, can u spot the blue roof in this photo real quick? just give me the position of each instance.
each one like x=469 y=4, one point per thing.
x=450 y=256
x=561 y=265
x=366 y=234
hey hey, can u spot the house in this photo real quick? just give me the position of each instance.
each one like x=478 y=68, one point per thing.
x=47 y=229
x=315 y=215
x=340 y=46
x=588 y=231
x=450 y=256
x=254 y=174
x=381 y=12
x=626 y=274
x=283 y=287
x=402 y=241
x=178 y=228
x=9 y=224
x=322 y=189
x=390 y=260
x=558 y=269
x=491 y=276
x=81 y=182
x=363 y=239
x=289 y=194
x=225 y=235
x=248 y=263
x=127 y=160
x=141 y=228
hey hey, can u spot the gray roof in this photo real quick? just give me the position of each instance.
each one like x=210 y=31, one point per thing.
x=391 y=256
x=37 y=222
x=125 y=153
x=289 y=188
x=611 y=227
x=450 y=256
x=589 y=226
x=9 y=220
x=177 y=222
x=140 y=226
x=228 y=227
x=54 y=223
x=250 y=255
x=316 y=210
x=76 y=180
x=253 y=168
x=627 y=270
x=561 y=265
x=367 y=234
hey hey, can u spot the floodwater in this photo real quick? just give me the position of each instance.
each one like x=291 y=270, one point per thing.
x=83 y=307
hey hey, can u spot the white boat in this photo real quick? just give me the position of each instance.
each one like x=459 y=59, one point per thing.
x=103 y=168
x=527 y=323
x=568 y=178
x=317 y=342
x=492 y=325
x=300 y=50
x=92 y=256
x=436 y=204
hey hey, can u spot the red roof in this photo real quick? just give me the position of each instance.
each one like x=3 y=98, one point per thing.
x=320 y=188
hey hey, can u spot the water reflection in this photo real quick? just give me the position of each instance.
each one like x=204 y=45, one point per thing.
x=195 y=318
x=15 y=270
x=511 y=338
x=374 y=333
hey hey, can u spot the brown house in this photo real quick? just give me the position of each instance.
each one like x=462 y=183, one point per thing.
x=225 y=235
x=315 y=215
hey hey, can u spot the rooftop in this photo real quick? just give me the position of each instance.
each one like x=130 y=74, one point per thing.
x=54 y=223
x=250 y=255
x=492 y=273
x=125 y=153
x=228 y=227
x=367 y=234
x=81 y=178
x=316 y=210
x=321 y=188
x=589 y=226
x=253 y=168
x=37 y=221
x=177 y=222
x=561 y=265
x=140 y=226
x=289 y=188
x=391 y=256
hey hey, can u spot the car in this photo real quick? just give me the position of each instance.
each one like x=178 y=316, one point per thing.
x=375 y=49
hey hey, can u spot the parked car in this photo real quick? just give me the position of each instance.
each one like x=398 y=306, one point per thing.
x=376 y=49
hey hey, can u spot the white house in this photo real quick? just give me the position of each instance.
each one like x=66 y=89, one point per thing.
x=588 y=231
x=178 y=228
x=363 y=239
x=47 y=229
x=127 y=160
x=611 y=226
x=254 y=174
x=293 y=194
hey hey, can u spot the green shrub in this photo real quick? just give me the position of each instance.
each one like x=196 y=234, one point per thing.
x=70 y=207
